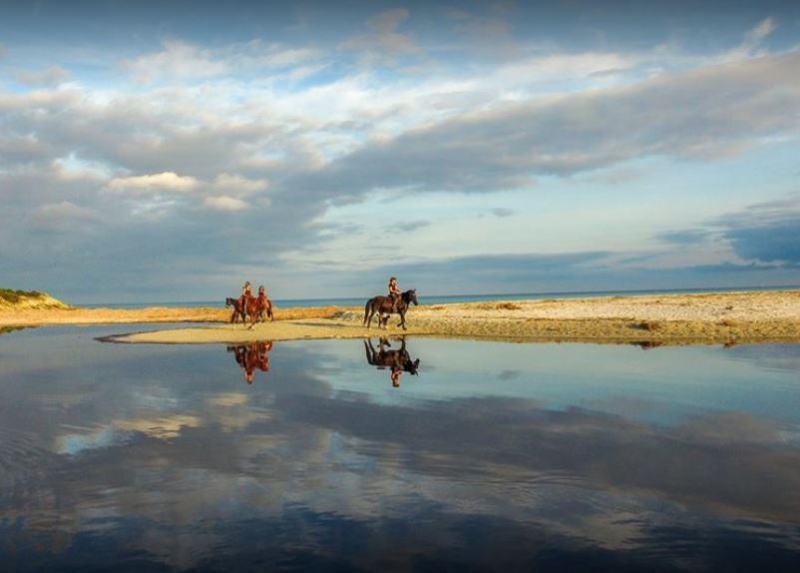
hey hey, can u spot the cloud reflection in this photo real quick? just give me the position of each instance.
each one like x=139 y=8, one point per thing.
x=219 y=474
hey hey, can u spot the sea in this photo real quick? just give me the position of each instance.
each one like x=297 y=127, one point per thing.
x=442 y=299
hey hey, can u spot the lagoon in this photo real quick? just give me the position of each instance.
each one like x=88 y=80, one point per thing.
x=493 y=456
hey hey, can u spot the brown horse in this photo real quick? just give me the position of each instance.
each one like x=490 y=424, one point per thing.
x=383 y=306
x=257 y=307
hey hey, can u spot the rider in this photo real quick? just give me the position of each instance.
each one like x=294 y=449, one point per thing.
x=394 y=293
x=262 y=300
x=247 y=293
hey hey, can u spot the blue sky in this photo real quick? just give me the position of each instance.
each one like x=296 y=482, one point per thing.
x=155 y=151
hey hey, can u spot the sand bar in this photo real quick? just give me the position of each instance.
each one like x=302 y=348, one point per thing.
x=653 y=320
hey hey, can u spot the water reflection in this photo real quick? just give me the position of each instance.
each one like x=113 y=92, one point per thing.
x=251 y=357
x=510 y=457
x=396 y=361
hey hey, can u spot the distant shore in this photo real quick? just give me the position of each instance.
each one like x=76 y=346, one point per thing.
x=649 y=320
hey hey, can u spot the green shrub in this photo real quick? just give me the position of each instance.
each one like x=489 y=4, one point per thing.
x=14 y=296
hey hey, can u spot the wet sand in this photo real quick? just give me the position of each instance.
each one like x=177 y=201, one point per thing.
x=653 y=320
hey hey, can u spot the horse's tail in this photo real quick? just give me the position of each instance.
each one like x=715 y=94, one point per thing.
x=367 y=308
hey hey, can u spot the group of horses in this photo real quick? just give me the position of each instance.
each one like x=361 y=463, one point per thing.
x=259 y=308
x=254 y=308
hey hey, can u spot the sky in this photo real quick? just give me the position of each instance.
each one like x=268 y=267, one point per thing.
x=171 y=150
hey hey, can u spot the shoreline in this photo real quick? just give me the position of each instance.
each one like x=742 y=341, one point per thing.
x=742 y=317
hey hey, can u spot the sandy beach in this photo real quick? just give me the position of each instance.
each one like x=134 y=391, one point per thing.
x=715 y=318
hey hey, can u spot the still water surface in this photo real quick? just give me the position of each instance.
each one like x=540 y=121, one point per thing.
x=315 y=455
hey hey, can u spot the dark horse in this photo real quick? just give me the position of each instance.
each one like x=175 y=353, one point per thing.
x=383 y=306
x=238 y=311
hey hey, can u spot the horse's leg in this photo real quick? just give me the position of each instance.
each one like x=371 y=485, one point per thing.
x=369 y=351
x=247 y=315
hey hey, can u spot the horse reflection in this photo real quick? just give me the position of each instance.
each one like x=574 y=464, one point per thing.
x=251 y=357
x=397 y=361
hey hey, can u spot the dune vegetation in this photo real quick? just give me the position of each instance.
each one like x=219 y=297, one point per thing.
x=23 y=299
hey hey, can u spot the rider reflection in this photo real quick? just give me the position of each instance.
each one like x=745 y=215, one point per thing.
x=397 y=361
x=251 y=357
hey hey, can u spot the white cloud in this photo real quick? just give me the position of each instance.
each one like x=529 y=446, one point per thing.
x=761 y=31
x=283 y=134
x=167 y=182
x=183 y=61
x=224 y=203
x=178 y=60
x=237 y=184
x=751 y=45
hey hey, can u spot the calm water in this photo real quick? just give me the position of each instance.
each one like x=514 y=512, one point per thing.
x=492 y=456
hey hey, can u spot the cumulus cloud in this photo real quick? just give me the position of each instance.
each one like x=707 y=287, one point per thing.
x=703 y=114
x=280 y=133
x=224 y=203
x=237 y=183
x=166 y=182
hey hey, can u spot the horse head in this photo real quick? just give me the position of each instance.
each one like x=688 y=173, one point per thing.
x=412 y=367
x=410 y=296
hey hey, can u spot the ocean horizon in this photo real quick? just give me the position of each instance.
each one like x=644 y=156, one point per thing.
x=440 y=299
